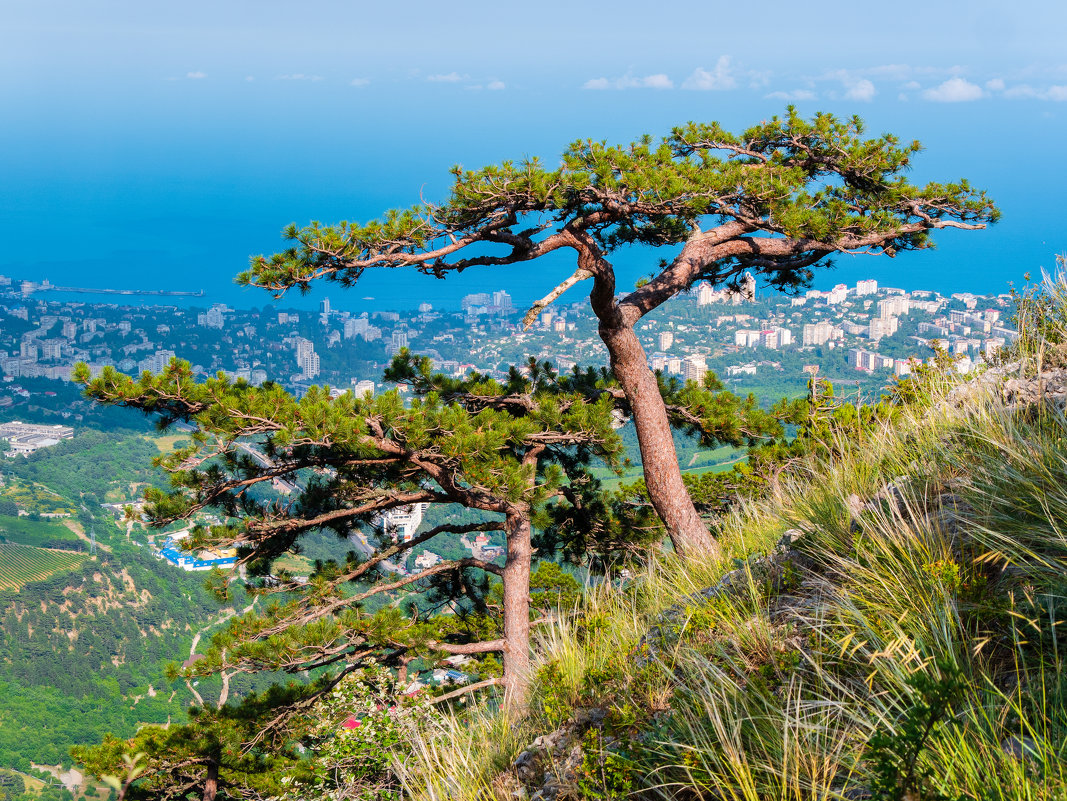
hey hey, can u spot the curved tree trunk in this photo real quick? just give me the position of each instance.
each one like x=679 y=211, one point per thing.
x=517 y=609
x=659 y=459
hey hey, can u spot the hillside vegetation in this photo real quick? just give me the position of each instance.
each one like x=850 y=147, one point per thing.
x=892 y=624
x=85 y=640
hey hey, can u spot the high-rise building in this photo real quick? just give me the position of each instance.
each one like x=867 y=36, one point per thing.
x=818 y=333
x=882 y=327
x=768 y=338
x=748 y=287
x=306 y=358
x=837 y=295
x=28 y=350
x=666 y=339
x=893 y=307
x=866 y=287
x=156 y=362
x=694 y=367
x=52 y=348
x=356 y=326
x=476 y=300
x=324 y=306
x=746 y=339
x=361 y=388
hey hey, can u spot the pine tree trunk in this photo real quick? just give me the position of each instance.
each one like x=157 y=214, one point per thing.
x=211 y=782
x=663 y=478
x=517 y=610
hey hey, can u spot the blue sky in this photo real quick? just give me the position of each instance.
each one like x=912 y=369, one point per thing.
x=154 y=145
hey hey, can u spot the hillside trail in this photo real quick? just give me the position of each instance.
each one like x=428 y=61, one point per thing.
x=79 y=532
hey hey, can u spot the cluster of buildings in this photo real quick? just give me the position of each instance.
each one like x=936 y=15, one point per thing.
x=730 y=330
x=854 y=319
x=171 y=551
x=25 y=438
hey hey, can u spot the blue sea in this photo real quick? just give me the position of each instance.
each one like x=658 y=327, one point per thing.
x=179 y=193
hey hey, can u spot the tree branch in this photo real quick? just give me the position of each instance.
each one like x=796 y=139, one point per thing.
x=469 y=688
x=578 y=276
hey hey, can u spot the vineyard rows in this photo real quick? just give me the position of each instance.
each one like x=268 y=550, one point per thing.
x=21 y=564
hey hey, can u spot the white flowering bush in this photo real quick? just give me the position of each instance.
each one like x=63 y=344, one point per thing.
x=357 y=731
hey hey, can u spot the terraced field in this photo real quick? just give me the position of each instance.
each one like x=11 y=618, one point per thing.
x=20 y=564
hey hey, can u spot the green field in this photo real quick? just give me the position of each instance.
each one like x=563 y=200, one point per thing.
x=38 y=533
x=20 y=564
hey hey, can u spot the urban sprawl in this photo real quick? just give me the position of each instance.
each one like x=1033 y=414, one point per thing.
x=864 y=328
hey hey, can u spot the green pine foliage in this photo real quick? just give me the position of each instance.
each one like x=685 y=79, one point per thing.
x=817 y=181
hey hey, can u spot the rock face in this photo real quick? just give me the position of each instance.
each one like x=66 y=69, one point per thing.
x=1016 y=387
x=550 y=765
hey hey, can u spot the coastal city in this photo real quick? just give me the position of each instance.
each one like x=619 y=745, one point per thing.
x=749 y=338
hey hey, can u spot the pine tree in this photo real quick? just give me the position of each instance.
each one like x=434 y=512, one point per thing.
x=502 y=449
x=778 y=199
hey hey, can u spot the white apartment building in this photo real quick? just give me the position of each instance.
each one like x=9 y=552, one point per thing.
x=837 y=295
x=746 y=339
x=894 y=306
x=694 y=368
x=882 y=327
x=306 y=358
x=361 y=388
x=866 y=287
x=402 y=522
x=817 y=333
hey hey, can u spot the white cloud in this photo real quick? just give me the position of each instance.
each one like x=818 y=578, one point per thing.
x=796 y=94
x=450 y=77
x=496 y=86
x=911 y=86
x=359 y=82
x=860 y=89
x=657 y=81
x=1022 y=90
x=856 y=87
x=299 y=76
x=995 y=85
x=718 y=78
x=628 y=81
x=196 y=75
x=954 y=90
x=250 y=78
x=1026 y=92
